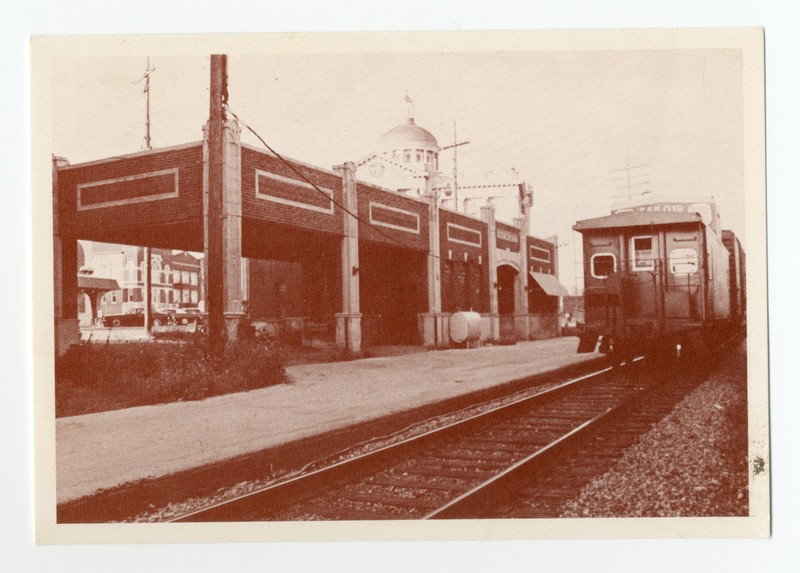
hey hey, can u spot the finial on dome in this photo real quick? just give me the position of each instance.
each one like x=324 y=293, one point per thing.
x=409 y=106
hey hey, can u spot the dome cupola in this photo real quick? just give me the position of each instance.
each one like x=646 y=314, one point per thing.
x=409 y=143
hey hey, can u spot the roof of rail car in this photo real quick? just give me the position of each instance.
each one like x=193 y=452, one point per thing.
x=636 y=219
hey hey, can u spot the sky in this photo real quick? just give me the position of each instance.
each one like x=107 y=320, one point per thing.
x=565 y=121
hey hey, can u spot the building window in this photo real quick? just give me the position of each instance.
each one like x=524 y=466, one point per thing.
x=420 y=155
x=194 y=278
x=603 y=264
x=683 y=261
x=185 y=277
x=642 y=249
x=194 y=297
x=185 y=296
x=407 y=155
x=129 y=275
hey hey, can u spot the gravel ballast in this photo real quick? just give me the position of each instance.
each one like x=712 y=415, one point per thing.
x=692 y=463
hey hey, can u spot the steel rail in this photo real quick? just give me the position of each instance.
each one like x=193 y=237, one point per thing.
x=251 y=505
x=472 y=503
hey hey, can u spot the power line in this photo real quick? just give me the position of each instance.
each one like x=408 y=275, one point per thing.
x=326 y=195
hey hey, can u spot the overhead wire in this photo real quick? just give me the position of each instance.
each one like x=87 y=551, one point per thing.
x=291 y=166
x=327 y=196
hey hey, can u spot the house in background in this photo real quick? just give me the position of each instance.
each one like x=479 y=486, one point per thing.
x=176 y=279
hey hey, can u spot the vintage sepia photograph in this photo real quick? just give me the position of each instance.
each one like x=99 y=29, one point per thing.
x=462 y=285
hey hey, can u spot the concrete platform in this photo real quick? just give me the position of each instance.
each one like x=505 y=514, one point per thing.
x=106 y=450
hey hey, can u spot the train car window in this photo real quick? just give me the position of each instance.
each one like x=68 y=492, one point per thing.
x=642 y=248
x=683 y=261
x=603 y=264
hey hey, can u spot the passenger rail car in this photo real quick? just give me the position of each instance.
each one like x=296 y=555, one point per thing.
x=659 y=282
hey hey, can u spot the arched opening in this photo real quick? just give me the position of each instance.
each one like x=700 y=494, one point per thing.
x=506 y=298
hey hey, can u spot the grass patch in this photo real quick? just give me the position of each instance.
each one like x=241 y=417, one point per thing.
x=110 y=376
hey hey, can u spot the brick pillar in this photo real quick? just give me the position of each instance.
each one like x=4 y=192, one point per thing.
x=230 y=242
x=521 y=323
x=525 y=204
x=487 y=214
x=65 y=276
x=232 y=227
x=434 y=325
x=348 y=322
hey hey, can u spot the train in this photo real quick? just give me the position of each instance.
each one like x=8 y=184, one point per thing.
x=661 y=279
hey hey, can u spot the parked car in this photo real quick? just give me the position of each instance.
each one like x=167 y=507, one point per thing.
x=135 y=317
x=184 y=316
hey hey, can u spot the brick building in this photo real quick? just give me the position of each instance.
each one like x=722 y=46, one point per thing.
x=305 y=250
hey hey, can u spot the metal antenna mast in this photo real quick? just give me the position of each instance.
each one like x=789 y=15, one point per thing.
x=146 y=78
x=454 y=147
x=629 y=179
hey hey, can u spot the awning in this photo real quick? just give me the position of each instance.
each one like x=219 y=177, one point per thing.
x=550 y=284
x=88 y=282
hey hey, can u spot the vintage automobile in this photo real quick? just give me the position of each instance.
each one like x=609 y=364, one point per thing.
x=135 y=317
x=184 y=316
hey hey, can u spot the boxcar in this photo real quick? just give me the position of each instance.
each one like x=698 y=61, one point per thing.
x=658 y=281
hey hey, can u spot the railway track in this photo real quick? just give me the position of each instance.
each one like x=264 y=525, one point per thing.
x=523 y=458
x=551 y=478
x=452 y=471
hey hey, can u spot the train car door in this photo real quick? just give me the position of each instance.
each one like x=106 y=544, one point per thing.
x=602 y=260
x=683 y=276
x=643 y=277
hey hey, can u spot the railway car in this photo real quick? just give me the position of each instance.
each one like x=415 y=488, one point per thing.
x=660 y=280
x=738 y=279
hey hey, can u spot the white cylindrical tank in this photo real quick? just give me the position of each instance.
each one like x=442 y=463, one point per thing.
x=465 y=327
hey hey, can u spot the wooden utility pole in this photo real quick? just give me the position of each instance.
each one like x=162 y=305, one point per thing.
x=146 y=78
x=214 y=262
x=147 y=278
x=148 y=289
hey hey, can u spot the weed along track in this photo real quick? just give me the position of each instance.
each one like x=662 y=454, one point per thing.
x=473 y=467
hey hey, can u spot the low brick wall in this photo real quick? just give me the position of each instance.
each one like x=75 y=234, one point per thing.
x=543 y=326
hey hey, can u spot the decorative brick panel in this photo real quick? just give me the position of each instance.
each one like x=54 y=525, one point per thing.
x=129 y=189
x=126 y=198
x=507 y=237
x=393 y=218
x=386 y=217
x=541 y=256
x=273 y=193
x=293 y=192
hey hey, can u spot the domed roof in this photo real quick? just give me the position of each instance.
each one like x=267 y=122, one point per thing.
x=407 y=135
